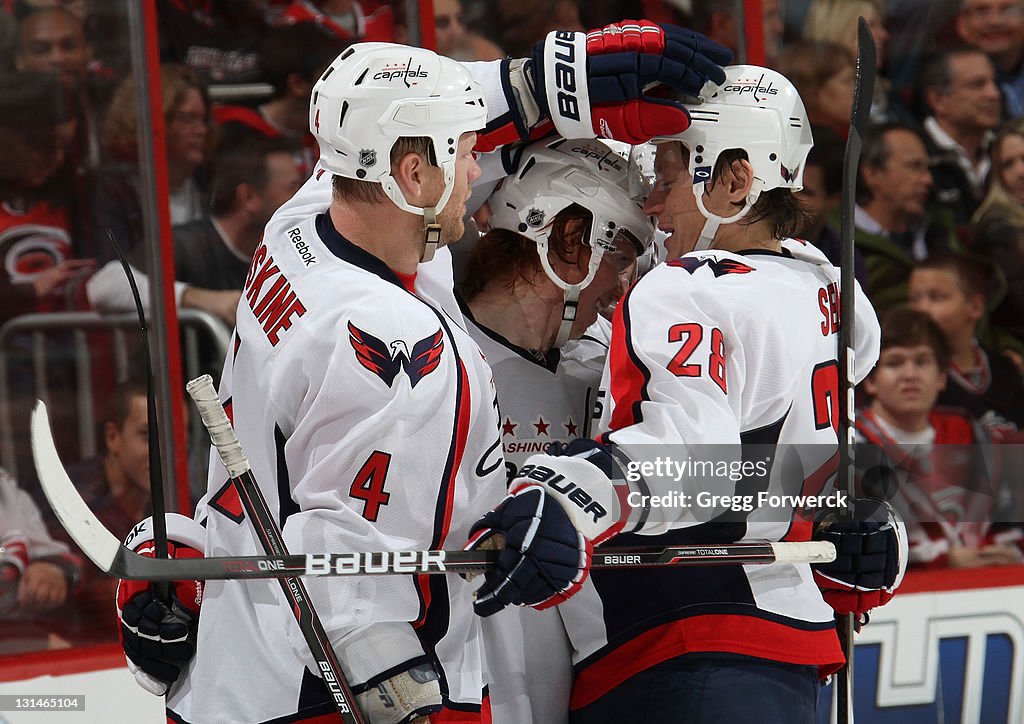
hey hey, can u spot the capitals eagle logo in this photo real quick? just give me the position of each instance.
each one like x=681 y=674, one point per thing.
x=719 y=267
x=386 y=362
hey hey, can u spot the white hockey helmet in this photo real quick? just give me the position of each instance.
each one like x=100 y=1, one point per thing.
x=553 y=175
x=375 y=93
x=759 y=111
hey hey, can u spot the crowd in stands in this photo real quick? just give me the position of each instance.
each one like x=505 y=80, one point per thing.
x=939 y=221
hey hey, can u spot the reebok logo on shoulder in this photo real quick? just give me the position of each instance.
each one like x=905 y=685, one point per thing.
x=301 y=247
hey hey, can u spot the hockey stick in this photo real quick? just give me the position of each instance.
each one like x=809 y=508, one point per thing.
x=862 y=96
x=217 y=423
x=113 y=558
x=156 y=478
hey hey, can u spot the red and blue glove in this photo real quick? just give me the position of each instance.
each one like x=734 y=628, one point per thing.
x=159 y=637
x=595 y=84
x=558 y=508
x=871 y=556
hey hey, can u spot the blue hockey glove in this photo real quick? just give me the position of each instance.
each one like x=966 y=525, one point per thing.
x=871 y=556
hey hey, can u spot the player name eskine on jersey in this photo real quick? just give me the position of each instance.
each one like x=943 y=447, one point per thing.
x=270 y=296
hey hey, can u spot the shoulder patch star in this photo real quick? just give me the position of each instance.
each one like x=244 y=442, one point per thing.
x=542 y=427
x=509 y=427
x=570 y=427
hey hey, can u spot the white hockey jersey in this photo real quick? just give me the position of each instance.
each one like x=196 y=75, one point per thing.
x=709 y=351
x=540 y=401
x=368 y=415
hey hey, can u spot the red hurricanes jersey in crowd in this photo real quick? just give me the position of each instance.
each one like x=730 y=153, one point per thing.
x=33 y=240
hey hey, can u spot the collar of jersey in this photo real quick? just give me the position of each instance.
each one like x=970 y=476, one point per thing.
x=548 y=361
x=349 y=252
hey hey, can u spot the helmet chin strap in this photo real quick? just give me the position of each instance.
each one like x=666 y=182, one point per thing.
x=431 y=228
x=713 y=221
x=571 y=292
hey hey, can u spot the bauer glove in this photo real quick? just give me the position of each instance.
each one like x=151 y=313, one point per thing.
x=596 y=84
x=558 y=508
x=158 y=637
x=871 y=556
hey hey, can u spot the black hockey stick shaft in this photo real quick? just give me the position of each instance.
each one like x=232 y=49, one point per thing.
x=223 y=436
x=133 y=566
x=156 y=477
x=859 y=113
x=114 y=558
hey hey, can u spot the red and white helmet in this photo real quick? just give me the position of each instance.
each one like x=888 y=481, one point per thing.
x=375 y=93
x=551 y=176
x=759 y=111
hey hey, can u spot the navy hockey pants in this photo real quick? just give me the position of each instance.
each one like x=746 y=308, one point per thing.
x=710 y=689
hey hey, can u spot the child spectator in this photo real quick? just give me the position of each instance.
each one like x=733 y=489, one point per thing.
x=937 y=456
x=952 y=289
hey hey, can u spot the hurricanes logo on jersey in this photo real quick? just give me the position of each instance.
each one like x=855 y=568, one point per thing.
x=718 y=266
x=386 y=362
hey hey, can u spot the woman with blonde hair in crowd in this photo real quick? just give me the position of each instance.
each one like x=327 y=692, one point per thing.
x=999 y=233
x=835 y=21
x=825 y=75
x=189 y=139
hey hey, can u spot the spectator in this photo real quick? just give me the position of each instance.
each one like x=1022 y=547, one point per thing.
x=518 y=24
x=348 y=20
x=960 y=90
x=38 y=233
x=717 y=20
x=456 y=41
x=115 y=483
x=835 y=21
x=38 y=574
x=825 y=75
x=188 y=142
x=218 y=41
x=997 y=28
x=943 y=484
x=952 y=289
x=53 y=41
x=893 y=227
x=212 y=255
x=999 y=231
x=292 y=59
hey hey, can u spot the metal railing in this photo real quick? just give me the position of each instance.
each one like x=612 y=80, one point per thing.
x=31 y=332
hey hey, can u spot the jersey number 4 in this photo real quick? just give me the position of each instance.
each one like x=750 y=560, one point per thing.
x=691 y=335
x=369 y=484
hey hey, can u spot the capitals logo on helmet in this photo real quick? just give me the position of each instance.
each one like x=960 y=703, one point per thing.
x=759 y=111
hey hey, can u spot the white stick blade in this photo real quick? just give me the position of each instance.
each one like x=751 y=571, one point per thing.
x=81 y=524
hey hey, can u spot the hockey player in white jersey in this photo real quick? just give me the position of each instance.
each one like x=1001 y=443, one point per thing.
x=732 y=341
x=312 y=440
x=563 y=227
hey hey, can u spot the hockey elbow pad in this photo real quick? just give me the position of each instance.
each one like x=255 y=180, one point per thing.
x=871 y=556
x=158 y=637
